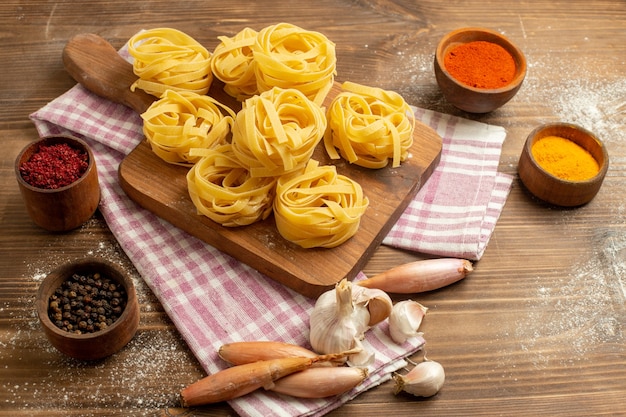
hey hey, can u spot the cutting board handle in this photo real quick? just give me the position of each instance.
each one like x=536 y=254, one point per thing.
x=97 y=66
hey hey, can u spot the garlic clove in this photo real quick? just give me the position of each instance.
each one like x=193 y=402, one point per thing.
x=424 y=380
x=405 y=320
x=377 y=302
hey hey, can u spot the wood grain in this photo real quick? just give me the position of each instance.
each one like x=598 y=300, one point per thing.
x=538 y=327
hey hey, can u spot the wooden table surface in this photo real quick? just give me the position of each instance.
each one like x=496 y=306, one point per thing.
x=537 y=329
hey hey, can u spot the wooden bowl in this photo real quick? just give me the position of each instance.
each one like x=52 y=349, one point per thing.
x=101 y=343
x=555 y=190
x=472 y=99
x=64 y=208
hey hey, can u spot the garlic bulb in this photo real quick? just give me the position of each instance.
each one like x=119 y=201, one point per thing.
x=405 y=320
x=338 y=324
x=424 y=380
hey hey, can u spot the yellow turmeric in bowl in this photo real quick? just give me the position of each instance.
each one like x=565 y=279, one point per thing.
x=565 y=159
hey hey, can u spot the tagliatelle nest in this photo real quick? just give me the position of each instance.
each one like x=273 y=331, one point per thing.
x=277 y=131
x=369 y=126
x=318 y=208
x=168 y=59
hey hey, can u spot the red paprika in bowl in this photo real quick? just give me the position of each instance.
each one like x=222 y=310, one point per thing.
x=480 y=64
x=478 y=70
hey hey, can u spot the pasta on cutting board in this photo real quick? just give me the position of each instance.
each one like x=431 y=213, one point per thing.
x=221 y=188
x=276 y=132
x=168 y=59
x=281 y=55
x=318 y=208
x=288 y=56
x=181 y=121
x=233 y=63
x=369 y=126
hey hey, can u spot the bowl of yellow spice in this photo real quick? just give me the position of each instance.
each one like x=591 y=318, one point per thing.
x=478 y=69
x=563 y=164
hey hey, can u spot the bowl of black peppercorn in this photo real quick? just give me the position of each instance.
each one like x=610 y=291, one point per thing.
x=88 y=308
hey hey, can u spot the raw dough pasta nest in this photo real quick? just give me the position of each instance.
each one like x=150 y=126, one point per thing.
x=276 y=132
x=288 y=56
x=232 y=62
x=281 y=55
x=369 y=126
x=318 y=208
x=181 y=121
x=222 y=189
x=168 y=59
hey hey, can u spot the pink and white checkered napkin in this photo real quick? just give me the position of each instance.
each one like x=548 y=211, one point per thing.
x=213 y=299
x=455 y=212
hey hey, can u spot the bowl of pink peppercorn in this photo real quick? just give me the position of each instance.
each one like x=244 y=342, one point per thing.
x=58 y=181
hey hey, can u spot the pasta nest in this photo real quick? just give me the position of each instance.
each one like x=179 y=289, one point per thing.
x=276 y=132
x=232 y=62
x=183 y=120
x=318 y=207
x=168 y=59
x=368 y=126
x=288 y=56
x=221 y=188
x=281 y=55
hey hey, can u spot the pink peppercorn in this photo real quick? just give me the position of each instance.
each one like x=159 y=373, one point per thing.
x=54 y=166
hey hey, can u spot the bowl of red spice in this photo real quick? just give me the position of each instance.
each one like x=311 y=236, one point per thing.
x=88 y=308
x=563 y=164
x=478 y=70
x=58 y=180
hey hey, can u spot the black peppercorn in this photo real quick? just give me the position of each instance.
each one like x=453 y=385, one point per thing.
x=86 y=303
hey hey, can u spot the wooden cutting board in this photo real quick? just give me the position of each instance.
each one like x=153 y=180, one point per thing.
x=162 y=188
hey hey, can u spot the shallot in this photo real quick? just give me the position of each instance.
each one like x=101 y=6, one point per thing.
x=420 y=276
x=309 y=383
x=240 y=380
x=320 y=382
x=239 y=353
